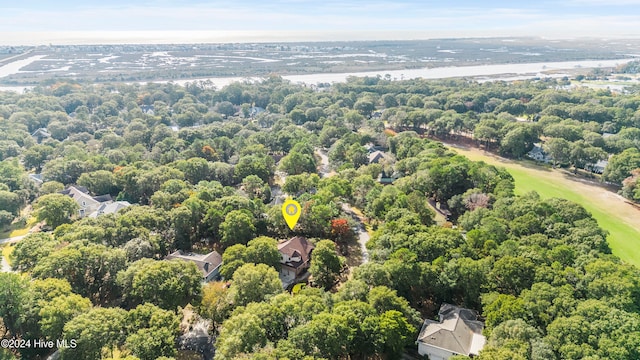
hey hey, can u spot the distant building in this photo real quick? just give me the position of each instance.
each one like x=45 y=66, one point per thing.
x=457 y=333
x=371 y=148
x=296 y=258
x=93 y=206
x=208 y=264
x=377 y=156
x=109 y=208
x=386 y=179
x=87 y=203
x=40 y=134
x=148 y=109
x=255 y=110
x=36 y=178
x=598 y=167
x=538 y=154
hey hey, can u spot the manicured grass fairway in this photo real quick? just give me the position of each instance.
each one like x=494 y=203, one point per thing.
x=613 y=214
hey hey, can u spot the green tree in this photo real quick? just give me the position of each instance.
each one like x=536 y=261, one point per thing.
x=518 y=141
x=55 y=209
x=99 y=182
x=297 y=163
x=237 y=228
x=253 y=186
x=50 y=187
x=559 y=149
x=10 y=202
x=60 y=310
x=153 y=332
x=13 y=292
x=621 y=165
x=254 y=283
x=264 y=250
x=92 y=331
x=326 y=336
x=90 y=269
x=167 y=284
x=239 y=334
x=393 y=331
x=325 y=264
x=259 y=165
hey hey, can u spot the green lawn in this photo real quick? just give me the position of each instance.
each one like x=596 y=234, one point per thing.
x=17 y=229
x=613 y=214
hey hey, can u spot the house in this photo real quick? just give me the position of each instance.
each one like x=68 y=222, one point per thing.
x=40 y=134
x=371 y=148
x=598 y=167
x=255 y=110
x=87 y=203
x=538 y=154
x=36 y=178
x=457 y=333
x=296 y=258
x=109 y=208
x=148 y=109
x=208 y=264
x=385 y=179
x=376 y=156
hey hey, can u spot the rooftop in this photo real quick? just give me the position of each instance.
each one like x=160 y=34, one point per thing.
x=296 y=247
x=458 y=331
x=207 y=263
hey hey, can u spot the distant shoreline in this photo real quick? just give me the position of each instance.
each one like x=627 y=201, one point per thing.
x=35 y=38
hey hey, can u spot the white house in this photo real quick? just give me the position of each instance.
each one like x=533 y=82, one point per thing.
x=457 y=333
x=538 y=154
x=87 y=203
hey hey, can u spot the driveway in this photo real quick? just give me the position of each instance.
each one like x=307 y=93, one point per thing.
x=363 y=235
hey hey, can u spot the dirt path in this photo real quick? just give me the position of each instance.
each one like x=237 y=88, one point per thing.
x=612 y=211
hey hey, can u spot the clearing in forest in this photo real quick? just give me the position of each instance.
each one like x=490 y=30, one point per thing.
x=612 y=211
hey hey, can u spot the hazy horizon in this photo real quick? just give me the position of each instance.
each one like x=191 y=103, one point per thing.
x=37 y=22
x=203 y=37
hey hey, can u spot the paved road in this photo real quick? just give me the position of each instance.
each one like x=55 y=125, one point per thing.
x=324 y=164
x=5 y=266
x=11 y=240
x=363 y=235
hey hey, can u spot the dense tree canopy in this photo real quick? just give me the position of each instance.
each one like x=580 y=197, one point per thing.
x=205 y=173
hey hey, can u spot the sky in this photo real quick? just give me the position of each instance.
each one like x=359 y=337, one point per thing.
x=60 y=21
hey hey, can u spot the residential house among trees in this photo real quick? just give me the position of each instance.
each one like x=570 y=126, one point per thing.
x=87 y=203
x=598 y=167
x=208 y=264
x=93 y=206
x=296 y=258
x=109 y=208
x=538 y=154
x=40 y=134
x=457 y=333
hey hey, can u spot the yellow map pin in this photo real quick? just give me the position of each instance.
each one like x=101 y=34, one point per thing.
x=291 y=212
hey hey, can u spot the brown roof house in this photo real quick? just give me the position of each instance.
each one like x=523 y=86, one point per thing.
x=208 y=264
x=296 y=258
x=457 y=333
